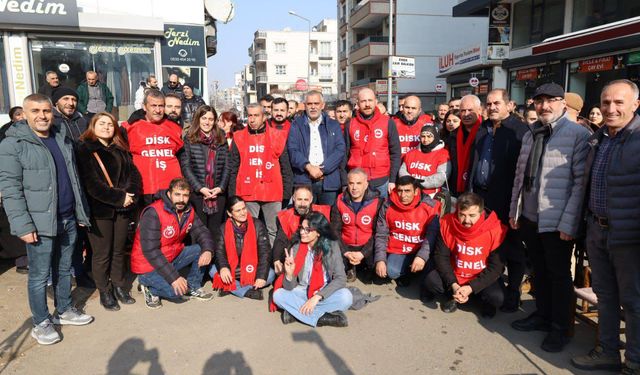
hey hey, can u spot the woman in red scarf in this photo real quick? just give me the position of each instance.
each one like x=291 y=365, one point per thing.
x=242 y=254
x=312 y=288
x=203 y=163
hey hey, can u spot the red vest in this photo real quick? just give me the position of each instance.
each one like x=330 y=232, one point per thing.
x=154 y=148
x=259 y=176
x=290 y=222
x=357 y=229
x=370 y=145
x=470 y=247
x=424 y=164
x=410 y=135
x=408 y=224
x=171 y=240
x=286 y=126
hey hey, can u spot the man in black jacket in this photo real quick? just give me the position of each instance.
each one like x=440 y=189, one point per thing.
x=496 y=150
x=159 y=251
x=66 y=113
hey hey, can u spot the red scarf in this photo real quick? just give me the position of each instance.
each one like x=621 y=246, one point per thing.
x=452 y=228
x=464 y=153
x=316 y=281
x=248 y=261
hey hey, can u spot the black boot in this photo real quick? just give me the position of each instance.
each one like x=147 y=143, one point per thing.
x=123 y=296
x=334 y=319
x=108 y=301
x=287 y=318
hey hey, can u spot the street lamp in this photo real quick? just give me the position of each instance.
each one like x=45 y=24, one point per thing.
x=308 y=48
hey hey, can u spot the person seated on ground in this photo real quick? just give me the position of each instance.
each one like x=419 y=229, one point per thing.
x=159 y=251
x=353 y=217
x=242 y=254
x=312 y=287
x=467 y=257
x=429 y=162
x=404 y=223
x=288 y=221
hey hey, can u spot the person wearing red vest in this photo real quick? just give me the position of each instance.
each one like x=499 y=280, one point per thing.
x=312 y=287
x=353 y=216
x=154 y=143
x=409 y=123
x=159 y=252
x=405 y=231
x=467 y=257
x=279 y=119
x=288 y=221
x=260 y=169
x=429 y=162
x=373 y=144
x=242 y=254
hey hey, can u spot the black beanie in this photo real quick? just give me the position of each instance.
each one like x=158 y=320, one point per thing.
x=61 y=91
x=436 y=138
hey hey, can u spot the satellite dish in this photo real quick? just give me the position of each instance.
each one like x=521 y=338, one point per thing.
x=221 y=10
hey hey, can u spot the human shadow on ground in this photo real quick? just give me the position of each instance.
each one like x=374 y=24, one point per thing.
x=16 y=343
x=129 y=354
x=227 y=363
x=339 y=365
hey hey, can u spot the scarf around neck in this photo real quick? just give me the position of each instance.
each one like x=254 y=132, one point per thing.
x=463 y=149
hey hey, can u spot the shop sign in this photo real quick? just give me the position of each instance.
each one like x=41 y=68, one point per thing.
x=596 y=65
x=20 y=77
x=120 y=50
x=383 y=89
x=403 y=67
x=439 y=87
x=301 y=85
x=39 y=12
x=474 y=81
x=483 y=89
x=530 y=74
x=499 y=30
x=460 y=59
x=633 y=58
x=183 y=45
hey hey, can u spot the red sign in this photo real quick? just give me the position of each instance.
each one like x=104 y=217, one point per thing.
x=530 y=74
x=596 y=65
x=483 y=89
x=301 y=85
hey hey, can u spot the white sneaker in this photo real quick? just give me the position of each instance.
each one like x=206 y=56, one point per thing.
x=73 y=317
x=45 y=333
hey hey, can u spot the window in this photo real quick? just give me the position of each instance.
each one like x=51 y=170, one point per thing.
x=281 y=47
x=281 y=70
x=325 y=71
x=591 y=13
x=325 y=48
x=536 y=20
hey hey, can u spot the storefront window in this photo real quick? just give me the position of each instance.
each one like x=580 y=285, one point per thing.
x=480 y=91
x=591 y=13
x=191 y=75
x=524 y=81
x=536 y=20
x=121 y=65
x=5 y=102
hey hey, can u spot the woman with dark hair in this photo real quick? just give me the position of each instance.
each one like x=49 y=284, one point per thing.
x=113 y=185
x=242 y=254
x=228 y=122
x=595 y=117
x=451 y=123
x=312 y=288
x=204 y=164
x=429 y=162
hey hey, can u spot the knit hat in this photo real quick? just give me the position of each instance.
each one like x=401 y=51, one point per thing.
x=574 y=101
x=61 y=91
x=188 y=84
x=436 y=138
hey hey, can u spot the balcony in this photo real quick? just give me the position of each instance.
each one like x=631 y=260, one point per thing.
x=261 y=55
x=325 y=78
x=261 y=78
x=260 y=35
x=369 y=50
x=369 y=15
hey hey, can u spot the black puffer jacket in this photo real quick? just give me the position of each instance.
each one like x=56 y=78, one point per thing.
x=264 y=250
x=193 y=165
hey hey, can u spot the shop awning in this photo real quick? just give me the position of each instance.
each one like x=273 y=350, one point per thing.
x=472 y=8
x=594 y=35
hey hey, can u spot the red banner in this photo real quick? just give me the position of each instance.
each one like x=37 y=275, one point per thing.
x=596 y=65
x=530 y=74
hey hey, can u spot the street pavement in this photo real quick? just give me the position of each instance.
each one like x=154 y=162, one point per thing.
x=396 y=335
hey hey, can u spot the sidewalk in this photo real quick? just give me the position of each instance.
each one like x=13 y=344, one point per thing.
x=396 y=335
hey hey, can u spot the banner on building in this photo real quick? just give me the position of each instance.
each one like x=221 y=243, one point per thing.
x=183 y=45
x=460 y=59
x=499 y=30
x=41 y=12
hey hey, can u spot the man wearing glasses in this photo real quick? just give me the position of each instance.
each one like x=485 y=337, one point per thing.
x=172 y=86
x=546 y=205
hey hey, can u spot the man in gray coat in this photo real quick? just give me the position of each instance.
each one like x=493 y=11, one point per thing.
x=43 y=199
x=546 y=205
x=613 y=230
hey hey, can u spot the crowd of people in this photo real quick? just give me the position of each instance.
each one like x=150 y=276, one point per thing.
x=308 y=197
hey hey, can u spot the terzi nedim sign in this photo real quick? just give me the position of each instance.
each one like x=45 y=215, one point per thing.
x=183 y=45
x=39 y=12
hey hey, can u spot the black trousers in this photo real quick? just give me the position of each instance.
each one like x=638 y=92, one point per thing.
x=551 y=260
x=492 y=294
x=211 y=221
x=515 y=257
x=108 y=237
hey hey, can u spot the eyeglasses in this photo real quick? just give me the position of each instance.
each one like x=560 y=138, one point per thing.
x=306 y=230
x=549 y=101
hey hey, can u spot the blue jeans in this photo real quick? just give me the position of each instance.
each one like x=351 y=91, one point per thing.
x=383 y=190
x=321 y=196
x=161 y=288
x=51 y=254
x=398 y=264
x=292 y=301
x=242 y=290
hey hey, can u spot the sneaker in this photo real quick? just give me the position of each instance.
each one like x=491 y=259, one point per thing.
x=45 y=333
x=73 y=317
x=449 y=306
x=597 y=359
x=152 y=302
x=199 y=294
x=630 y=368
x=23 y=270
x=287 y=318
x=555 y=341
x=254 y=294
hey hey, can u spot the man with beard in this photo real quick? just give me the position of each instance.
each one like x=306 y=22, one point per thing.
x=353 y=218
x=292 y=107
x=173 y=108
x=159 y=251
x=316 y=150
x=373 y=144
x=279 y=119
x=65 y=112
x=288 y=221
x=460 y=143
x=266 y=102
x=172 y=86
x=410 y=122
x=190 y=103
